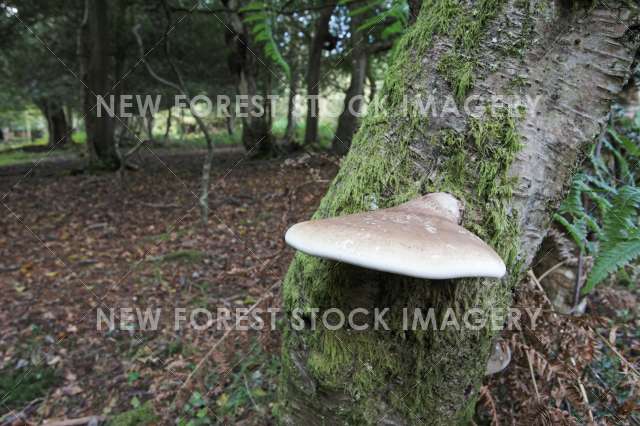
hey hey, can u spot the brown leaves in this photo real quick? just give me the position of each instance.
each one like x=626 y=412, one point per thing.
x=557 y=358
x=98 y=240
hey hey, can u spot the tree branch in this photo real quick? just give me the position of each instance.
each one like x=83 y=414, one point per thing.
x=181 y=88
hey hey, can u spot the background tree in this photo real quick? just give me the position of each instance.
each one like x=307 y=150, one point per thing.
x=49 y=86
x=373 y=28
x=322 y=40
x=99 y=67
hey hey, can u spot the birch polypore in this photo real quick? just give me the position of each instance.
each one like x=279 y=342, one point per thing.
x=421 y=238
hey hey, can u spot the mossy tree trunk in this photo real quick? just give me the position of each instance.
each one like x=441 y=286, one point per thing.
x=509 y=167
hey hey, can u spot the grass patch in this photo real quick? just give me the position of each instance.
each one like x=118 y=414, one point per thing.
x=197 y=141
x=18 y=152
x=326 y=132
x=19 y=387
x=141 y=415
x=180 y=256
x=21 y=143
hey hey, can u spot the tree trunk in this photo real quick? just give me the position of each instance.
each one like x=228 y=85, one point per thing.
x=510 y=169
x=290 y=132
x=229 y=123
x=57 y=127
x=167 y=127
x=100 y=130
x=314 y=75
x=70 y=118
x=349 y=120
x=256 y=133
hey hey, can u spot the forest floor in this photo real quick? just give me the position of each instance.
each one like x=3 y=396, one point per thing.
x=71 y=245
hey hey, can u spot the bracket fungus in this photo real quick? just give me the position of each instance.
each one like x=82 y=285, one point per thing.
x=421 y=238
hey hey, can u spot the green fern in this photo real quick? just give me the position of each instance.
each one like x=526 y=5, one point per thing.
x=620 y=237
x=394 y=11
x=609 y=232
x=260 y=17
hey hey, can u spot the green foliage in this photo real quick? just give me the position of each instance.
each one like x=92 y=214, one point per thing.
x=259 y=15
x=600 y=213
x=19 y=387
x=17 y=156
x=195 y=411
x=250 y=391
x=252 y=386
x=141 y=414
x=620 y=237
x=395 y=14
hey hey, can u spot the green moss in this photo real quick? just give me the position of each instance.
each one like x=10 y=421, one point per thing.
x=437 y=20
x=456 y=66
x=476 y=171
x=142 y=415
x=459 y=73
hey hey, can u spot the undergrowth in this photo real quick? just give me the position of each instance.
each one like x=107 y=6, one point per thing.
x=601 y=211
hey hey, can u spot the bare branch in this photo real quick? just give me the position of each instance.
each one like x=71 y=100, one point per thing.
x=181 y=88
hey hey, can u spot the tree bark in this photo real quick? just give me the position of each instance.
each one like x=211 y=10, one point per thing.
x=100 y=130
x=57 y=127
x=510 y=169
x=167 y=127
x=349 y=120
x=256 y=132
x=290 y=132
x=314 y=75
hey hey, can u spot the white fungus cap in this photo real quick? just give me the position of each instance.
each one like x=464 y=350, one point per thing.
x=499 y=360
x=420 y=239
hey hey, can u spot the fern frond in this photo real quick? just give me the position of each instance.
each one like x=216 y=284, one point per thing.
x=576 y=230
x=626 y=143
x=260 y=16
x=610 y=260
x=620 y=237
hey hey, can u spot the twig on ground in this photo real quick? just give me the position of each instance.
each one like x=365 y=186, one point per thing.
x=583 y=391
x=77 y=422
x=96 y=226
x=550 y=270
x=622 y=358
x=536 y=281
x=160 y=206
x=533 y=376
x=20 y=417
x=257 y=269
